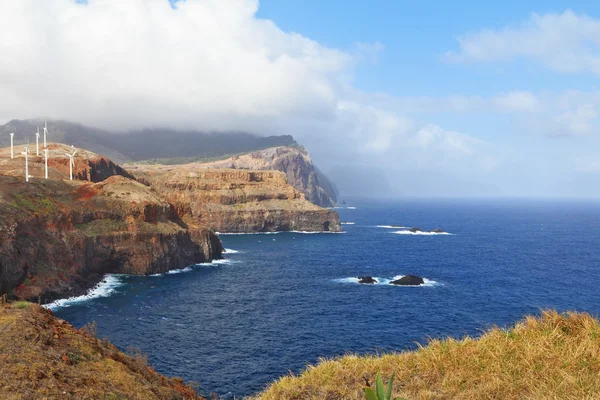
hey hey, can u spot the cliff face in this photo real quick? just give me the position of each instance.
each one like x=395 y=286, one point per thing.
x=233 y=200
x=295 y=163
x=57 y=238
x=43 y=357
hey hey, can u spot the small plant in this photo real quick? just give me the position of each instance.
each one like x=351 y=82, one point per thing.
x=379 y=393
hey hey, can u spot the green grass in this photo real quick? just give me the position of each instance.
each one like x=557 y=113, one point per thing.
x=19 y=305
x=101 y=227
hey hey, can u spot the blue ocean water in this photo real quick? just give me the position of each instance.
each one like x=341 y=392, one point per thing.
x=284 y=300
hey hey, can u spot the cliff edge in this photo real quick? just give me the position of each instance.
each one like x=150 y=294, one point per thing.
x=295 y=163
x=236 y=200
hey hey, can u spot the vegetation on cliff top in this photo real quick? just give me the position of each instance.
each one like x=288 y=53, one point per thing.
x=43 y=357
x=552 y=356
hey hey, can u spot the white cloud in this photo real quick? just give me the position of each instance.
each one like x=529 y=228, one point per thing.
x=566 y=42
x=519 y=101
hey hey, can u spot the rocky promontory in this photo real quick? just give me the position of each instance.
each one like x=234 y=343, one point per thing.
x=235 y=200
x=59 y=237
x=295 y=162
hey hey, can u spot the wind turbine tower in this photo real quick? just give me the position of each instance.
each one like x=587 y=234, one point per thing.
x=45 y=132
x=26 y=152
x=12 y=154
x=46 y=160
x=71 y=163
x=37 y=142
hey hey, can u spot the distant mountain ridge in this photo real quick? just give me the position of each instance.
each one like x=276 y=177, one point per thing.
x=145 y=144
x=168 y=146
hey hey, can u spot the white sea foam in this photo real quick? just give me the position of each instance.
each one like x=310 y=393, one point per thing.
x=247 y=233
x=104 y=288
x=231 y=251
x=391 y=226
x=387 y=281
x=316 y=232
x=343 y=208
x=218 y=262
x=421 y=233
x=178 y=271
x=347 y=223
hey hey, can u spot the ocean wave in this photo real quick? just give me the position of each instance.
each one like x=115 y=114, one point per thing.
x=231 y=251
x=104 y=288
x=316 y=232
x=387 y=281
x=424 y=233
x=391 y=226
x=218 y=262
x=342 y=208
x=347 y=223
x=248 y=233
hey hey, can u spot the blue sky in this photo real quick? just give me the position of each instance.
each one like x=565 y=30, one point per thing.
x=438 y=98
x=417 y=34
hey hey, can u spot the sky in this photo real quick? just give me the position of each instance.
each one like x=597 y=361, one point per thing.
x=457 y=98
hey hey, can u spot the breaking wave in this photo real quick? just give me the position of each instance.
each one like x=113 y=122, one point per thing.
x=316 y=232
x=347 y=223
x=231 y=251
x=421 y=233
x=391 y=226
x=247 y=233
x=104 y=288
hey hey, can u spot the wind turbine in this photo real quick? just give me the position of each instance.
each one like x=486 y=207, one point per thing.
x=45 y=132
x=46 y=159
x=71 y=163
x=37 y=142
x=26 y=152
x=12 y=154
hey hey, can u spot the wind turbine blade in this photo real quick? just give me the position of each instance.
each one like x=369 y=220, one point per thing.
x=75 y=152
x=68 y=155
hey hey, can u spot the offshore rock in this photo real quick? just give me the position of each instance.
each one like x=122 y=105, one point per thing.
x=408 y=280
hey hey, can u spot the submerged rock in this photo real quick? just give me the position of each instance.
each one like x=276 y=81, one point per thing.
x=415 y=230
x=367 y=279
x=408 y=280
x=437 y=230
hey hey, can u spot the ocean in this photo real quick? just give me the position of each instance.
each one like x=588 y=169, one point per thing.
x=281 y=301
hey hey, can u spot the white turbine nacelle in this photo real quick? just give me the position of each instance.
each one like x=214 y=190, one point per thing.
x=26 y=153
x=71 y=163
x=37 y=142
x=12 y=154
x=45 y=132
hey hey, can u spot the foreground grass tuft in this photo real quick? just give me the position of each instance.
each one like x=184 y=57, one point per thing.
x=552 y=356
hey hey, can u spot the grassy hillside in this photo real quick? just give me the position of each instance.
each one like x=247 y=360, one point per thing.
x=555 y=356
x=42 y=357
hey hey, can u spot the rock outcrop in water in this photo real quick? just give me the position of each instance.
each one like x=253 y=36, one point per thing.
x=295 y=163
x=58 y=237
x=408 y=280
x=235 y=200
x=367 y=280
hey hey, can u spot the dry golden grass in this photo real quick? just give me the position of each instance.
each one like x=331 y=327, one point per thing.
x=555 y=356
x=42 y=357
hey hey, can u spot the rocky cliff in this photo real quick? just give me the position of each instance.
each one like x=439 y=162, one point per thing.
x=295 y=163
x=43 y=357
x=235 y=200
x=57 y=238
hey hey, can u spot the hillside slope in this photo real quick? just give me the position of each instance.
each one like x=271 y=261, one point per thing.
x=165 y=146
x=555 y=356
x=43 y=357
